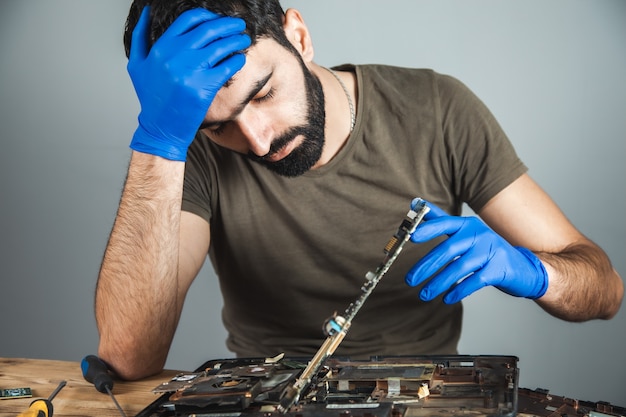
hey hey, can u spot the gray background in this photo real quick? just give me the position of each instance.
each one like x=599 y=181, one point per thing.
x=552 y=73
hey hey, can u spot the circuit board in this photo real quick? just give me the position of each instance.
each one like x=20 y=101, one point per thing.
x=541 y=402
x=15 y=393
x=455 y=385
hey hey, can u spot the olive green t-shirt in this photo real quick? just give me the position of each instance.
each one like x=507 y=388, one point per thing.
x=291 y=251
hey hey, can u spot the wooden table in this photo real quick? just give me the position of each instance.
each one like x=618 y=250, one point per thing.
x=78 y=397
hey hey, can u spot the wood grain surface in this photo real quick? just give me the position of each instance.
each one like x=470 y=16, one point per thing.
x=78 y=397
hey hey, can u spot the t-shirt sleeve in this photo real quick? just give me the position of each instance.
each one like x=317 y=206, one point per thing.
x=199 y=180
x=482 y=158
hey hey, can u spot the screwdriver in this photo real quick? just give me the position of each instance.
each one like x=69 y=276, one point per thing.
x=97 y=372
x=42 y=407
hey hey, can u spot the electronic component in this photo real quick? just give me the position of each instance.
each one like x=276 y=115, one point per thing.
x=380 y=387
x=336 y=327
x=15 y=393
x=414 y=386
x=541 y=402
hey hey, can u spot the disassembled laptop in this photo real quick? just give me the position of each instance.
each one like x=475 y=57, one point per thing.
x=325 y=386
x=448 y=386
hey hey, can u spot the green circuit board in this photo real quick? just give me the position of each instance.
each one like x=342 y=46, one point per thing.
x=8 y=393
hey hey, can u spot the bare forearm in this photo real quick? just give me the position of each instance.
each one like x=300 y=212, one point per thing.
x=138 y=298
x=583 y=284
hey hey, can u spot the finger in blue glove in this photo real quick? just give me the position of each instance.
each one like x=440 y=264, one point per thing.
x=178 y=77
x=472 y=257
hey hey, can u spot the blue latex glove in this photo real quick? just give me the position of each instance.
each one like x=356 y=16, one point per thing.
x=474 y=255
x=177 y=79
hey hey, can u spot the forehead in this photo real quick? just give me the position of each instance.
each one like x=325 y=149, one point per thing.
x=266 y=57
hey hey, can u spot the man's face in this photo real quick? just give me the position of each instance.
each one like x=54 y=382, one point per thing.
x=272 y=111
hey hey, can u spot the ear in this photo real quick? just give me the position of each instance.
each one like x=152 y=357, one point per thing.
x=298 y=34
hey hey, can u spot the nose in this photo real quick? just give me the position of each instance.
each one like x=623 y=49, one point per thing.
x=257 y=131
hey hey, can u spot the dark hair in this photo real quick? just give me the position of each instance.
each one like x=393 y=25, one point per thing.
x=264 y=18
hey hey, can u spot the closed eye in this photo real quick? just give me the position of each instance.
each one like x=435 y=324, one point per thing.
x=266 y=97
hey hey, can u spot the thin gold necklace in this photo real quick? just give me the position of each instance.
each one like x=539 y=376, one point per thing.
x=350 y=104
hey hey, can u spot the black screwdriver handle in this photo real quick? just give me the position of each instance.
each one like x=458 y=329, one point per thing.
x=96 y=372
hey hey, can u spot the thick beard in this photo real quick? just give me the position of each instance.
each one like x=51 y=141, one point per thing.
x=303 y=157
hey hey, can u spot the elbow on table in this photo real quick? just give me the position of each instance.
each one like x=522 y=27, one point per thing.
x=129 y=367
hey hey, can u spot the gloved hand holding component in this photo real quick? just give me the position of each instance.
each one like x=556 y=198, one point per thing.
x=472 y=257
